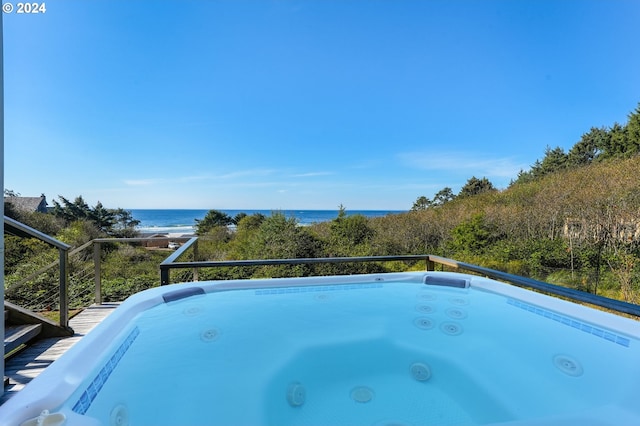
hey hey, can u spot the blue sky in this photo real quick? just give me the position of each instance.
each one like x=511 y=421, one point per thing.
x=234 y=104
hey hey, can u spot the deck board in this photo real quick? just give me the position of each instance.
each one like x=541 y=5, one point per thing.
x=25 y=366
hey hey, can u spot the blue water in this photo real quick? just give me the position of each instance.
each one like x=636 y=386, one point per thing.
x=406 y=353
x=183 y=221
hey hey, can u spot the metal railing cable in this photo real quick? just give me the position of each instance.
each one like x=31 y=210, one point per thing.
x=22 y=230
x=81 y=287
x=430 y=262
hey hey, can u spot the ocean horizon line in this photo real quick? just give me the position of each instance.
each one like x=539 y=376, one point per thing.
x=185 y=220
x=270 y=210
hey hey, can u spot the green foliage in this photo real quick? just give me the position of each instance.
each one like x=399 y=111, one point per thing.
x=421 y=203
x=244 y=240
x=213 y=219
x=119 y=288
x=554 y=161
x=475 y=186
x=78 y=233
x=633 y=132
x=102 y=218
x=473 y=235
x=18 y=249
x=617 y=142
x=71 y=211
x=590 y=146
x=349 y=235
x=43 y=222
x=112 y=222
x=129 y=269
x=279 y=237
x=440 y=198
x=249 y=223
x=9 y=209
x=124 y=225
x=275 y=237
x=444 y=196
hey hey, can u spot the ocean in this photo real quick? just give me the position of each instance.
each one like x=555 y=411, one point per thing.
x=183 y=221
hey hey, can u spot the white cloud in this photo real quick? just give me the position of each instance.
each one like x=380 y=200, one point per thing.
x=313 y=174
x=246 y=173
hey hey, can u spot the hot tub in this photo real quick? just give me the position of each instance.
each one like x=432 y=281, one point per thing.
x=423 y=348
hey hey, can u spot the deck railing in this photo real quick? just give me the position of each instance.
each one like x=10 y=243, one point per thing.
x=20 y=229
x=97 y=255
x=430 y=262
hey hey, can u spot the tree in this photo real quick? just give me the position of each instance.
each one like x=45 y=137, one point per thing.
x=440 y=198
x=616 y=142
x=443 y=196
x=237 y=218
x=588 y=148
x=280 y=237
x=348 y=233
x=124 y=223
x=244 y=237
x=71 y=211
x=473 y=235
x=554 y=160
x=633 y=133
x=249 y=222
x=103 y=218
x=523 y=177
x=116 y=222
x=421 y=203
x=213 y=219
x=475 y=186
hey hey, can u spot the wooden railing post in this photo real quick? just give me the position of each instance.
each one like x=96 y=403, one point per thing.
x=431 y=265
x=64 y=287
x=96 y=267
x=195 y=259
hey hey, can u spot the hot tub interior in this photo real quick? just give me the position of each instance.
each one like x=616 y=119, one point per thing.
x=375 y=350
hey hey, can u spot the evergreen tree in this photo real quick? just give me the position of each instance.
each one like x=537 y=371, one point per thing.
x=475 y=186
x=421 y=203
x=616 y=142
x=124 y=223
x=633 y=133
x=588 y=148
x=213 y=219
x=444 y=196
x=103 y=218
x=71 y=211
x=554 y=160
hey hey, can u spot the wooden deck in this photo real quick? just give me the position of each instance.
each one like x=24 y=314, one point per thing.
x=25 y=366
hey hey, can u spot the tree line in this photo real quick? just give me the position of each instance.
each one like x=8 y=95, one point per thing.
x=64 y=213
x=599 y=144
x=578 y=228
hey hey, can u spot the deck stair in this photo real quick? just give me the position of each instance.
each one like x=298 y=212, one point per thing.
x=22 y=327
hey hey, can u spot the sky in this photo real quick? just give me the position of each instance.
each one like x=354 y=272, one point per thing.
x=276 y=104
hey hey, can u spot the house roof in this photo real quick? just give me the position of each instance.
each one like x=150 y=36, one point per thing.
x=30 y=204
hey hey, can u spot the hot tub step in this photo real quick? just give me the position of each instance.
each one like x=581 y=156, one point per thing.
x=16 y=335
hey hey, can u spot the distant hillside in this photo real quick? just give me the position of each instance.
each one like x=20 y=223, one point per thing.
x=578 y=226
